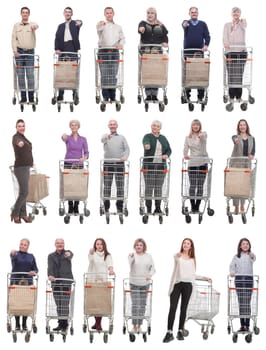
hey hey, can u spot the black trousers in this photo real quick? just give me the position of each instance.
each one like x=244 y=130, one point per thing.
x=244 y=285
x=111 y=171
x=235 y=69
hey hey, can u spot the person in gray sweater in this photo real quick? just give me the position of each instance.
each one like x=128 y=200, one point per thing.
x=116 y=152
x=60 y=267
x=241 y=268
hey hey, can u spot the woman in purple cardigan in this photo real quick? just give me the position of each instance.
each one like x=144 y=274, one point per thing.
x=76 y=152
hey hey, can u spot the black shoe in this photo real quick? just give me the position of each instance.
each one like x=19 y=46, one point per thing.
x=59 y=98
x=23 y=100
x=18 y=328
x=58 y=328
x=148 y=210
x=148 y=98
x=180 y=335
x=242 y=329
x=70 y=210
x=154 y=98
x=157 y=211
x=25 y=328
x=112 y=99
x=31 y=100
x=168 y=337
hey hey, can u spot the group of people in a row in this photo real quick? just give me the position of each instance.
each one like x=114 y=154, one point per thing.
x=111 y=39
x=116 y=151
x=142 y=268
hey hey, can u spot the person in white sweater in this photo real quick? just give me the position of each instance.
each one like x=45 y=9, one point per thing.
x=241 y=268
x=100 y=266
x=141 y=271
x=183 y=277
x=195 y=150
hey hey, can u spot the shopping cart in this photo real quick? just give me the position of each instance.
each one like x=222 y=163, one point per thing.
x=239 y=185
x=196 y=186
x=137 y=305
x=153 y=74
x=154 y=185
x=109 y=74
x=21 y=301
x=243 y=293
x=38 y=190
x=74 y=182
x=26 y=70
x=195 y=75
x=203 y=307
x=99 y=293
x=238 y=74
x=60 y=296
x=66 y=77
x=114 y=187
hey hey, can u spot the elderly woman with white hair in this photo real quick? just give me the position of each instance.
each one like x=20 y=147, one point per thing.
x=76 y=153
x=234 y=40
x=152 y=31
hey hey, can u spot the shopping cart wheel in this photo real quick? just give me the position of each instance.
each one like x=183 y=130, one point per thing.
x=132 y=337
x=81 y=219
x=58 y=107
x=202 y=107
x=67 y=219
x=161 y=107
x=230 y=219
x=160 y=219
x=122 y=99
x=61 y=211
x=185 y=332
x=183 y=99
x=71 y=330
x=47 y=330
x=31 y=216
x=234 y=338
x=64 y=337
x=139 y=99
x=256 y=330
x=33 y=107
x=118 y=107
x=124 y=329
x=212 y=329
x=126 y=212
x=225 y=99
x=22 y=107
x=210 y=212
x=244 y=106
x=244 y=218
x=228 y=329
x=34 y=328
x=141 y=211
x=101 y=211
x=76 y=99
x=97 y=99
x=14 y=336
x=36 y=100
x=251 y=100
x=84 y=328
x=27 y=337
x=191 y=107
x=103 y=107
x=144 y=336
x=253 y=211
x=107 y=218
x=166 y=211
x=91 y=338
x=229 y=107
x=165 y=100
x=8 y=327
x=36 y=211
x=146 y=107
x=188 y=219
x=248 y=338
x=105 y=338
x=111 y=329
x=44 y=211
x=200 y=218
x=53 y=100
x=121 y=218
x=51 y=337
x=205 y=335
x=71 y=107
x=14 y=100
x=87 y=212
x=149 y=330
x=145 y=219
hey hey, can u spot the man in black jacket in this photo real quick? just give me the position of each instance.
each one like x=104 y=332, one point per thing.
x=67 y=39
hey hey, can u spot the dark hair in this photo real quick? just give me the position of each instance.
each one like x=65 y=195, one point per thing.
x=191 y=252
x=68 y=8
x=237 y=129
x=19 y=121
x=109 y=8
x=239 y=250
x=104 y=246
x=24 y=8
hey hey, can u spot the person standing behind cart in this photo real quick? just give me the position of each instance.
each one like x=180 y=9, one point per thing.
x=22 y=261
x=101 y=263
x=141 y=271
x=244 y=146
x=117 y=150
x=76 y=148
x=241 y=268
x=152 y=31
x=195 y=151
x=235 y=48
x=60 y=267
x=196 y=36
x=67 y=40
x=183 y=277
x=23 y=162
x=23 y=45
x=111 y=40
x=156 y=150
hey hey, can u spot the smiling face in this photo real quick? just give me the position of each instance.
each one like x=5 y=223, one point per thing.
x=151 y=15
x=139 y=248
x=112 y=125
x=67 y=14
x=25 y=15
x=195 y=127
x=20 y=127
x=155 y=128
x=74 y=127
x=59 y=245
x=194 y=13
x=99 y=245
x=109 y=14
x=244 y=246
x=186 y=245
x=24 y=245
x=236 y=15
x=242 y=127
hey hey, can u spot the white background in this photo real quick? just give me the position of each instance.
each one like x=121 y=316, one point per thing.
x=215 y=240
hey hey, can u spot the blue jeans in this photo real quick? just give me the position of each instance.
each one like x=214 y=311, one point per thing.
x=109 y=69
x=25 y=66
x=244 y=285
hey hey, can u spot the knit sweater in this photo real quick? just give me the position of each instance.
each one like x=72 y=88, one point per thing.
x=234 y=36
x=150 y=139
x=195 y=147
x=153 y=34
x=99 y=265
x=115 y=147
x=196 y=36
x=242 y=265
x=140 y=267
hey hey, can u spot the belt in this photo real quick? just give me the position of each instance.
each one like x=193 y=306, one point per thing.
x=20 y=48
x=108 y=50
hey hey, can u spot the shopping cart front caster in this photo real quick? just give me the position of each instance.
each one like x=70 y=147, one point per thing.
x=188 y=219
x=149 y=330
x=251 y=100
x=27 y=337
x=244 y=106
x=87 y=212
x=67 y=219
x=118 y=107
x=97 y=99
x=51 y=337
x=253 y=211
x=126 y=212
x=165 y=100
x=146 y=107
x=248 y=338
x=21 y=107
x=121 y=218
x=235 y=338
x=103 y=107
x=139 y=99
x=230 y=219
x=91 y=338
x=200 y=218
x=145 y=219
x=124 y=329
x=71 y=330
x=76 y=100
x=212 y=329
x=229 y=107
x=132 y=337
x=191 y=107
x=64 y=337
x=244 y=218
x=225 y=99
x=122 y=99
x=229 y=330
x=105 y=338
x=144 y=336
x=58 y=107
x=53 y=100
x=141 y=211
x=205 y=335
x=111 y=329
x=183 y=100
x=84 y=328
x=166 y=211
x=256 y=330
x=202 y=107
x=81 y=219
x=44 y=211
x=210 y=212
x=14 y=100
x=34 y=328
x=161 y=107
x=160 y=219
x=61 y=211
x=107 y=218
x=14 y=336
x=71 y=107
x=33 y=107
x=185 y=332
x=8 y=327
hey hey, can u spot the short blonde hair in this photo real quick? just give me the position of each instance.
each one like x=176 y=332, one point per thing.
x=74 y=121
x=140 y=240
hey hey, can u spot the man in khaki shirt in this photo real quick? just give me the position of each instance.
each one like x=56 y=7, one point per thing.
x=23 y=45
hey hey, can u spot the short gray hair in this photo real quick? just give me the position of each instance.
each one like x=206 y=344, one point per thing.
x=236 y=9
x=157 y=122
x=74 y=121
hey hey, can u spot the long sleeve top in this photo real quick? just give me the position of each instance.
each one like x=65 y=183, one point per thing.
x=110 y=35
x=23 y=36
x=184 y=271
x=76 y=149
x=60 y=35
x=23 y=155
x=234 y=36
x=98 y=264
x=115 y=147
x=153 y=34
x=151 y=139
x=195 y=147
x=59 y=265
x=140 y=267
x=243 y=148
x=23 y=262
x=196 y=35
x=242 y=265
